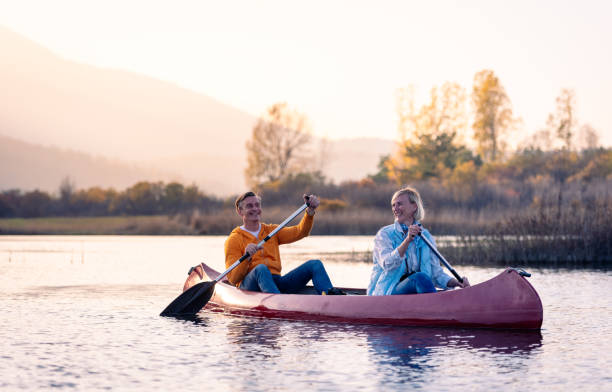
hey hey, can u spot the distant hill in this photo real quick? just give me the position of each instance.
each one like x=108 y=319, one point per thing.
x=47 y=100
x=27 y=166
x=139 y=125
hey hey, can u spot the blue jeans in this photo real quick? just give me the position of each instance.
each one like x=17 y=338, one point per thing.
x=417 y=283
x=261 y=279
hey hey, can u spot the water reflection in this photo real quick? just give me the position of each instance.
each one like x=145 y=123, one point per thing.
x=393 y=345
x=391 y=355
x=257 y=334
x=400 y=345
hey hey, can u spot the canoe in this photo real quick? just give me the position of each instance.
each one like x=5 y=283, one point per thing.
x=506 y=301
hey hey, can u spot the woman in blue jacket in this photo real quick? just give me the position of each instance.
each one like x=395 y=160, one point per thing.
x=403 y=263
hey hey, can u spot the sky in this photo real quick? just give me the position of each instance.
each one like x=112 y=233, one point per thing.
x=341 y=62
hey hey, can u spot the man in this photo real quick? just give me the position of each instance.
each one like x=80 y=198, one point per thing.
x=262 y=270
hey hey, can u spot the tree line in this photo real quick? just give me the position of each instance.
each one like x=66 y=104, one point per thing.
x=458 y=158
x=528 y=178
x=465 y=150
x=143 y=198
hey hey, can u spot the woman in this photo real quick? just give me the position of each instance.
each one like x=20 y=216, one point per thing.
x=403 y=263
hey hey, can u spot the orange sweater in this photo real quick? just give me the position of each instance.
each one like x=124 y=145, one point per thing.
x=238 y=239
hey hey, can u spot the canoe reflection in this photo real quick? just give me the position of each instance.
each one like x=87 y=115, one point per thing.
x=249 y=331
x=413 y=340
x=413 y=355
x=400 y=343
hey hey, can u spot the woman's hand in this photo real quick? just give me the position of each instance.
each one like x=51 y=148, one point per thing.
x=413 y=231
x=455 y=283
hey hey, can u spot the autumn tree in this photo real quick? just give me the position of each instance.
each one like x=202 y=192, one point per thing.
x=280 y=145
x=562 y=122
x=589 y=138
x=429 y=145
x=493 y=117
x=66 y=191
x=144 y=197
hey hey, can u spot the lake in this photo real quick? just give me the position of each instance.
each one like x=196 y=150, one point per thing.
x=81 y=312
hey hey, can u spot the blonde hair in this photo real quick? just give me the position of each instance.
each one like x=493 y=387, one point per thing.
x=413 y=196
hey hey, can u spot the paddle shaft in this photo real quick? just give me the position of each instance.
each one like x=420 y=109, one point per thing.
x=246 y=255
x=446 y=263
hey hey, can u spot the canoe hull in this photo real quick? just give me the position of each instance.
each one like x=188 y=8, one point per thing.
x=505 y=301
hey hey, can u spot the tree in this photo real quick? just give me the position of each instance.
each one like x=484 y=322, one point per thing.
x=589 y=138
x=493 y=116
x=144 y=198
x=66 y=191
x=9 y=203
x=429 y=146
x=173 y=197
x=444 y=114
x=280 y=145
x=562 y=123
x=35 y=204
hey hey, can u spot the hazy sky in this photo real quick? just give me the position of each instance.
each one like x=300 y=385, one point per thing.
x=339 y=62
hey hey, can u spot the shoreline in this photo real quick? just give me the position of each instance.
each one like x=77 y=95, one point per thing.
x=548 y=248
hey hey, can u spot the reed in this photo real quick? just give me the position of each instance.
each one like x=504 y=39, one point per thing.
x=581 y=235
x=541 y=236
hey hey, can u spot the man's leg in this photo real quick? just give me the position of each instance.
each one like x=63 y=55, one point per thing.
x=297 y=279
x=259 y=279
x=416 y=283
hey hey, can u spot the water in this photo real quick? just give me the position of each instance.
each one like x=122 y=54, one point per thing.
x=82 y=313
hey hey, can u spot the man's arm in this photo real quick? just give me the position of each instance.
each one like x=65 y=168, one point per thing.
x=234 y=249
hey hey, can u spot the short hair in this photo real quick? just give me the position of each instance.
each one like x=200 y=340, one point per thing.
x=413 y=196
x=241 y=198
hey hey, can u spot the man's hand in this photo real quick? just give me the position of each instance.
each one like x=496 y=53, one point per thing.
x=313 y=203
x=251 y=249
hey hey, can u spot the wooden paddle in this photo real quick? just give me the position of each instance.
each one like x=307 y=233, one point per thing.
x=446 y=263
x=196 y=297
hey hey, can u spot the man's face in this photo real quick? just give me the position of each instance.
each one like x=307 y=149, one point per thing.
x=250 y=209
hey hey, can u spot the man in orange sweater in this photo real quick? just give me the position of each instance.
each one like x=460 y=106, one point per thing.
x=262 y=271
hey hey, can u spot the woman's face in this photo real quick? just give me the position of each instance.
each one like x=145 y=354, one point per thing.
x=403 y=209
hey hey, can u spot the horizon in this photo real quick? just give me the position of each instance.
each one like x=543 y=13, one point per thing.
x=343 y=79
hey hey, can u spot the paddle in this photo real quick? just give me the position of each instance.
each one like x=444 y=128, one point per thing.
x=196 y=297
x=446 y=263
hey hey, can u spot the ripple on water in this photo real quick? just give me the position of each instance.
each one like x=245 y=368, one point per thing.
x=96 y=326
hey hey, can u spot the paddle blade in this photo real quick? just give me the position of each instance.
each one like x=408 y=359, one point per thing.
x=191 y=301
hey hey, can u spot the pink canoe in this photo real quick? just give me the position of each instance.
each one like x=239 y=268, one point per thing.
x=505 y=301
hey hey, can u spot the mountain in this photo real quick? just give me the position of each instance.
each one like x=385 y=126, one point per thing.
x=28 y=166
x=48 y=100
x=138 y=125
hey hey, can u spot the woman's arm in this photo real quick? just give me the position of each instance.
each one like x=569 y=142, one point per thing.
x=439 y=277
x=384 y=254
x=430 y=263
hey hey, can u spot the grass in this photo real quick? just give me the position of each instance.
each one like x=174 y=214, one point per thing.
x=112 y=225
x=580 y=235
